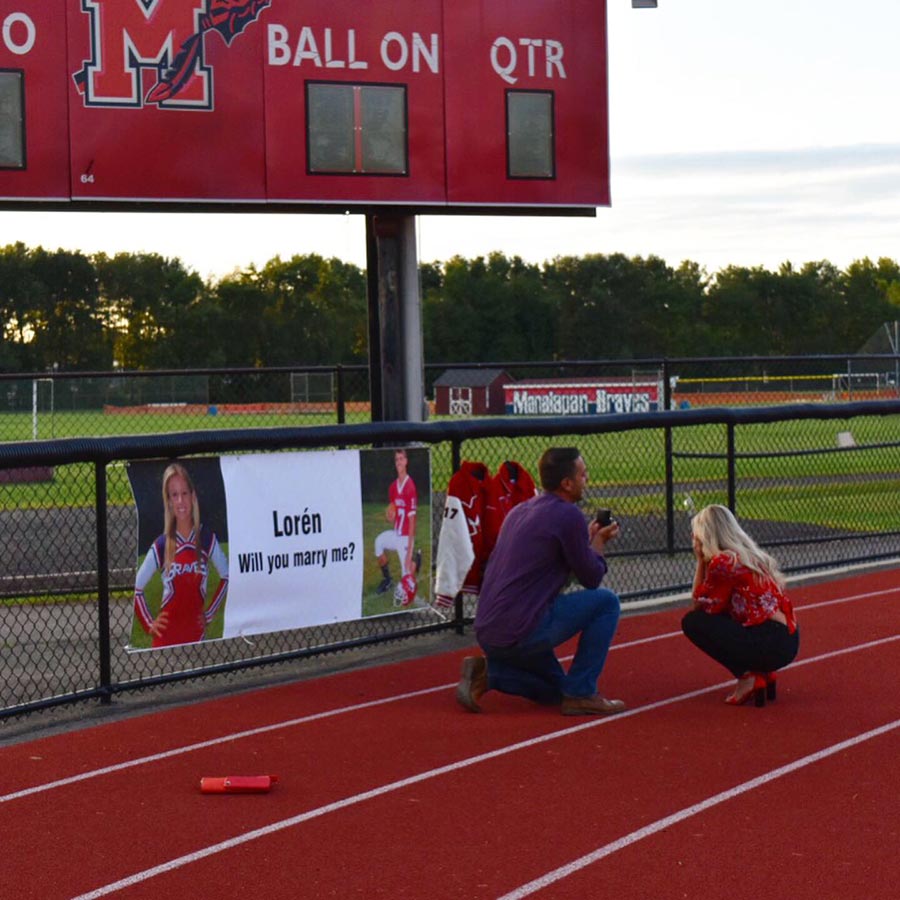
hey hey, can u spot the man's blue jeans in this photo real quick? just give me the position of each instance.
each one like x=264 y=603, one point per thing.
x=531 y=669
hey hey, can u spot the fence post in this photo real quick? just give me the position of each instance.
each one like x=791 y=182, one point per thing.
x=732 y=494
x=455 y=463
x=670 y=490
x=459 y=622
x=341 y=403
x=104 y=642
x=670 y=473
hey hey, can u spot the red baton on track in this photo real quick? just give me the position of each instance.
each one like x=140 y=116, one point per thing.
x=238 y=784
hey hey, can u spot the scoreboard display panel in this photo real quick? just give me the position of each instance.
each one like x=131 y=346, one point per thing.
x=424 y=104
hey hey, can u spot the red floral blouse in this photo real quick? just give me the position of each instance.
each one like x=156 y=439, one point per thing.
x=730 y=587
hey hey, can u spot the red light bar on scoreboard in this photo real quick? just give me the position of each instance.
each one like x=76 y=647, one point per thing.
x=427 y=104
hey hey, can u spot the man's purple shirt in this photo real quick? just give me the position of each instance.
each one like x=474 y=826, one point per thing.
x=543 y=542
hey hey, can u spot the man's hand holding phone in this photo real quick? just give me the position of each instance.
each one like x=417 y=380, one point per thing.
x=604 y=528
x=604 y=517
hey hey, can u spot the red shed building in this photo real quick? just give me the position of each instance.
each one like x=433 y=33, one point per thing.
x=470 y=392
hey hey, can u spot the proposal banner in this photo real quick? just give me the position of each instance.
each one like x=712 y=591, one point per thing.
x=295 y=531
x=243 y=545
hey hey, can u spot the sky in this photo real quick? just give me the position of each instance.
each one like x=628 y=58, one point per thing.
x=745 y=132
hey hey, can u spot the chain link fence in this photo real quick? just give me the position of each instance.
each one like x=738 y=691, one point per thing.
x=819 y=485
x=47 y=406
x=765 y=381
x=66 y=404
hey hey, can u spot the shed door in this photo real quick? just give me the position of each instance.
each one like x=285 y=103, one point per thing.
x=460 y=401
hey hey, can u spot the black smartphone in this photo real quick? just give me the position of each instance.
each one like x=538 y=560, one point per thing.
x=604 y=517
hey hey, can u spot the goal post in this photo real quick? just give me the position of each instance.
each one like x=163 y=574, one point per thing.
x=314 y=390
x=42 y=401
x=845 y=384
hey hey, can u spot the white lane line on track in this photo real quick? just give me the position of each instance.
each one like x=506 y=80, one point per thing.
x=290 y=723
x=378 y=792
x=263 y=729
x=355 y=799
x=627 y=840
x=867 y=596
x=212 y=742
x=670 y=601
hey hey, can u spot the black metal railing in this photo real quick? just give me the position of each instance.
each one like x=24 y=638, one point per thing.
x=816 y=482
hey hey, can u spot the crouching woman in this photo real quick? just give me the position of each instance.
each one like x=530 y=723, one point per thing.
x=741 y=616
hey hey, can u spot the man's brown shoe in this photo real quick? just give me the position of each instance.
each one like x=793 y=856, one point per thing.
x=472 y=683
x=591 y=706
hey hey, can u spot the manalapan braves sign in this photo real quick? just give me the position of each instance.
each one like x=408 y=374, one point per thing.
x=434 y=103
x=580 y=399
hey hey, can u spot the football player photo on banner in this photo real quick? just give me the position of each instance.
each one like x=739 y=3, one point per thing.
x=181 y=585
x=396 y=494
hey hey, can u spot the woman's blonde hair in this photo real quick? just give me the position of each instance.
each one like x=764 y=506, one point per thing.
x=169 y=522
x=718 y=531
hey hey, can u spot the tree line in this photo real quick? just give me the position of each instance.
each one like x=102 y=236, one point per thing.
x=68 y=310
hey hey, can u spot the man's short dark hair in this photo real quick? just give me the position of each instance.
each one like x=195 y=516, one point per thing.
x=555 y=465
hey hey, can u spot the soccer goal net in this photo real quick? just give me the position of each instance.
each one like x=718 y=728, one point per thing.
x=845 y=384
x=827 y=387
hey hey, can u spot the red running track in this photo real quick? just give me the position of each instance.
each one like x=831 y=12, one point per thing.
x=388 y=789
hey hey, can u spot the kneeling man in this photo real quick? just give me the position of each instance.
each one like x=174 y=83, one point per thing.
x=522 y=614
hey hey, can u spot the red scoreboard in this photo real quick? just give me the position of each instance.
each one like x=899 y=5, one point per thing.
x=429 y=104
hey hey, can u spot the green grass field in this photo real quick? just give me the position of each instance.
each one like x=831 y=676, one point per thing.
x=96 y=423
x=854 y=490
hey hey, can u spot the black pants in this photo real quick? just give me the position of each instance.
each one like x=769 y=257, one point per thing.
x=755 y=648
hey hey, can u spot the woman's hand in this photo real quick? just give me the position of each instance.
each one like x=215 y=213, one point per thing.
x=699 y=571
x=698 y=549
x=160 y=623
